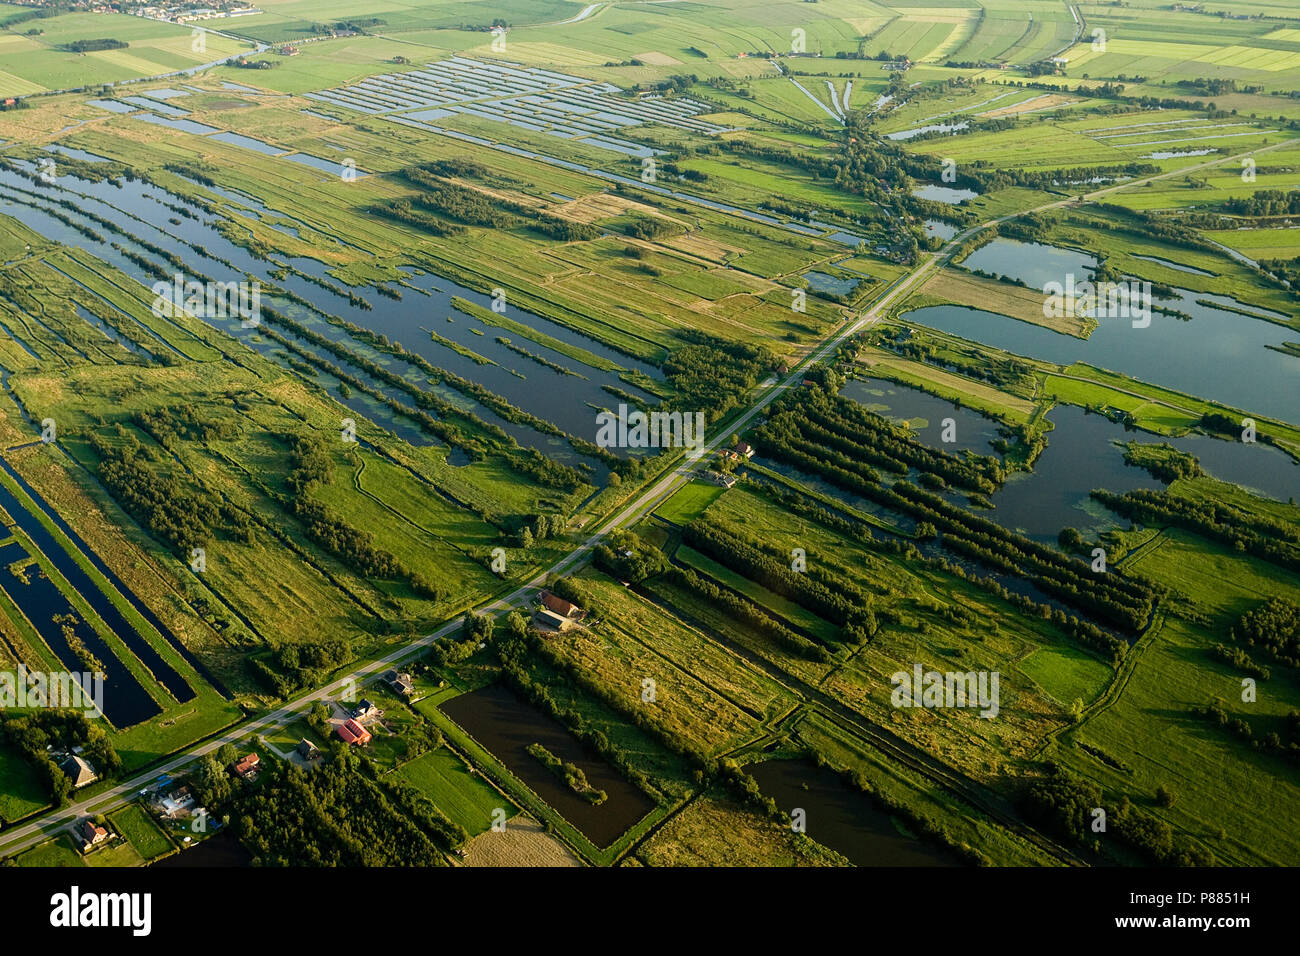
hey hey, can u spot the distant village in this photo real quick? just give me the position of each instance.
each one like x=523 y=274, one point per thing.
x=179 y=13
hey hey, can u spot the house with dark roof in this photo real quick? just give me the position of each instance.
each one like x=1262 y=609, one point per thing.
x=365 y=710
x=308 y=750
x=400 y=684
x=79 y=771
x=547 y=620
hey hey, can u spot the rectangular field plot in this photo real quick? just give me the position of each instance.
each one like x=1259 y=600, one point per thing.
x=529 y=98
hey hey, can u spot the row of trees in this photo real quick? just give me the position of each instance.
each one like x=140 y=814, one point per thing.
x=1286 y=743
x=173 y=512
x=821 y=417
x=747 y=612
x=1122 y=601
x=711 y=374
x=1255 y=534
x=1162 y=461
x=830 y=597
x=311 y=466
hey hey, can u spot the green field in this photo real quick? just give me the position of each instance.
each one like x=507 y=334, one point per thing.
x=134 y=823
x=456 y=790
x=690 y=502
x=56 y=853
x=22 y=794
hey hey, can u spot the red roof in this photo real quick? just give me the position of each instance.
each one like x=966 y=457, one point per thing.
x=353 y=732
x=247 y=764
x=93 y=831
x=558 y=604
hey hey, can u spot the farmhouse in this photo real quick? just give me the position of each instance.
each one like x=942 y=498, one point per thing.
x=561 y=607
x=400 y=684
x=246 y=767
x=352 y=732
x=92 y=835
x=179 y=803
x=79 y=771
x=548 y=620
x=365 y=710
x=308 y=750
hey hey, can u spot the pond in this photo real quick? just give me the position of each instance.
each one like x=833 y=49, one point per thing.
x=1033 y=263
x=949 y=194
x=925 y=414
x=508 y=726
x=939 y=228
x=830 y=285
x=844 y=819
x=219 y=850
x=932 y=128
x=1082 y=453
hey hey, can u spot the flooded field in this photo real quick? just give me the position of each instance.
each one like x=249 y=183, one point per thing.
x=221 y=850
x=1083 y=452
x=464 y=345
x=1217 y=353
x=507 y=726
x=843 y=819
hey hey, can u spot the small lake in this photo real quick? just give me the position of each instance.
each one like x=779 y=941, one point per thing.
x=1081 y=455
x=843 y=819
x=507 y=726
x=949 y=194
x=937 y=227
x=830 y=285
x=925 y=413
x=932 y=128
x=1217 y=355
x=1033 y=263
